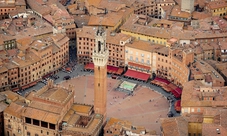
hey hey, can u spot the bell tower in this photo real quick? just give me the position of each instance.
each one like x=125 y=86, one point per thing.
x=100 y=59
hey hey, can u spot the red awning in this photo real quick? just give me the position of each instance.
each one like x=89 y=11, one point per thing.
x=176 y=93
x=119 y=71
x=32 y=84
x=25 y=86
x=137 y=75
x=89 y=66
x=15 y=89
x=47 y=75
x=172 y=86
x=177 y=105
x=162 y=80
x=138 y=65
x=68 y=69
x=112 y=69
x=178 y=90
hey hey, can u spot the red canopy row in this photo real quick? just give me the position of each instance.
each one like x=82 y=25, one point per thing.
x=167 y=86
x=29 y=85
x=136 y=74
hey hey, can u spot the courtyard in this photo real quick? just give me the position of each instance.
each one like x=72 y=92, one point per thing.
x=144 y=108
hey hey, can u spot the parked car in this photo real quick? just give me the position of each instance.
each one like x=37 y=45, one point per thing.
x=67 y=77
x=170 y=114
x=19 y=93
x=114 y=76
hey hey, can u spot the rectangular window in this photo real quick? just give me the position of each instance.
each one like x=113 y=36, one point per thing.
x=131 y=58
x=28 y=120
x=142 y=60
x=52 y=126
x=186 y=110
x=44 y=124
x=35 y=122
x=148 y=62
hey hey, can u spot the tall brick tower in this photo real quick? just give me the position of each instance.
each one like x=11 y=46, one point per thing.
x=187 y=5
x=100 y=59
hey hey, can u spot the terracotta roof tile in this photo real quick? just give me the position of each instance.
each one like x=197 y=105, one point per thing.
x=216 y=4
x=94 y=2
x=41 y=115
x=176 y=126
x=145 y=46
x=14 y=110
x=176 y=12
x=82 y=108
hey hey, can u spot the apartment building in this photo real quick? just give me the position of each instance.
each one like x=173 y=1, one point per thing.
x=33 y=60
x=138 y=26
x=3 y=75
x=217 y=8
x=24 y=61
x=220 y=67
x=44 y=51
x=205 y=108
x=53 y=51
x=3 y=103
x=12 y=74
x=9 y=6
x=146 y=8
x=176 y=126
x=169 y=63
x=6 y=7
x=202 y=71
x=197 y=97
x=139 y=56
x=60 y=51
x=178 y=15
x=111 y=21
x=56 y=15
x=208 y=51
x=151 y=8
x=115 y=43
x=92 y=7
x=211 y=122
x=172 y=64
x=122 y=127
x=96 y=7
